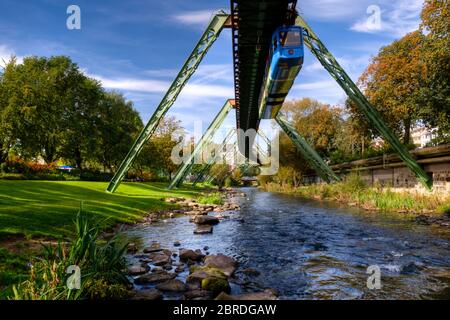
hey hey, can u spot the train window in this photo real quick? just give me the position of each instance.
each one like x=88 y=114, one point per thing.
x=292 y=39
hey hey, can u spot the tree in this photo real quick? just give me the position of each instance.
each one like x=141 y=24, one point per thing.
x=80 y=135
x=156 y=154
x=436 y=90
x=38 y=94
x=316 y=122
x=393 y=81
x=118 y=125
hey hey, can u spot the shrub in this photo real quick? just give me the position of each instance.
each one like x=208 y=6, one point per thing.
x=211 y=198
x=101 y=266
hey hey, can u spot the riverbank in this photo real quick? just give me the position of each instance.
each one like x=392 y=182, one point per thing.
x=426 y=208
x=33 y=213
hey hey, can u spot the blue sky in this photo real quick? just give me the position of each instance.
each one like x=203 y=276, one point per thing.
x=138 y=46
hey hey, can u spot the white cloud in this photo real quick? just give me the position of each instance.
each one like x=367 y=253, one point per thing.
x=130 y=84
x=335 y=10
x=6 y=53
x=200 y=17
x=158 y=86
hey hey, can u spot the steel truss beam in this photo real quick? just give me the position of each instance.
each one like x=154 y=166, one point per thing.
x=308 y=152
x=206 y=167
x=206 y=139
x=328 y=61
x=207 y=39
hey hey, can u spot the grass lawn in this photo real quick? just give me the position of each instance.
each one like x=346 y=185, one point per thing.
x=48 y=208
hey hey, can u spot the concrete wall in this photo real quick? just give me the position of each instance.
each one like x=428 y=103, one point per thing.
x=403 y=178
x=389 y=171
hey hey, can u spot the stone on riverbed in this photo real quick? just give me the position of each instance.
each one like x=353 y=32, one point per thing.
x=137 y=269
x=132 y=248
x=148 y=294
x=222 y=262
x=186 y=254
x=203 y=229
x=156 y=277
x=206 y=220
x=174 y=200
x=154 y=247
x=173 y=285
x=161 y=258
x=267 y=294
x=209 y=278
x=198 y=294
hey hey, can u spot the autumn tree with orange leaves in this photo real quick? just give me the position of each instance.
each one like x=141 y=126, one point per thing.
x=408 y=81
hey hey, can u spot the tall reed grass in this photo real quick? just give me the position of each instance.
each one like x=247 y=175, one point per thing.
x=102 y=266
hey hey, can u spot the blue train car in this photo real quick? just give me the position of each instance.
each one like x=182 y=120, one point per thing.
x=283 y=65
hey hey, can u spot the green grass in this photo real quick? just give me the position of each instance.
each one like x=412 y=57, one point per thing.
x=12 y=270
x=211 y=198
x=353 y=190
x=48 y=208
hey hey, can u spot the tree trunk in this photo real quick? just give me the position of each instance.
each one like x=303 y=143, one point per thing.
x=407 y=136
x=78 y=160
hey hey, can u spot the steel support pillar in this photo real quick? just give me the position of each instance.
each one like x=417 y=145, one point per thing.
x=207 y=39
x=308 y=152
x=328 y=61
x=205 y=169
x=206 y=138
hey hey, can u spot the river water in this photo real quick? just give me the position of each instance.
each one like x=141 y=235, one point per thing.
x=313 y=250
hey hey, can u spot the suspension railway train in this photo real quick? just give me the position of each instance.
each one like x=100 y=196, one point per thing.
x=284 y=62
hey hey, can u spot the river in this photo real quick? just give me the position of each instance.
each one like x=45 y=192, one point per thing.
x=314 y=250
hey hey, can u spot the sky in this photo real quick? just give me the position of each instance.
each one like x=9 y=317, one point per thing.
x=137 y=46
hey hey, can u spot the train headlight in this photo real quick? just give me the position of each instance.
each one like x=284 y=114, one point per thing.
x=291 y=51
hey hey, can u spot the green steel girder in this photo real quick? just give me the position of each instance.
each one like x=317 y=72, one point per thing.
x=310 y=155
x=328 y=61
x=207 y=39
x=206 y=167
x=206 y=138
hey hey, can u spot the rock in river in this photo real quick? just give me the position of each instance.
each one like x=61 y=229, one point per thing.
x=155 y=247
x=156 y=277
x=186 y=254
x=148 y=294
x=161 y=258
x=226 y=264
x=209 y=278
x=173 y=285
x=203 y=229
x=267 y=294
x=137 y=269
x=206 y=220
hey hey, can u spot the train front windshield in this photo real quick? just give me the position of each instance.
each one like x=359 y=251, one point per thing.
x=291 y=38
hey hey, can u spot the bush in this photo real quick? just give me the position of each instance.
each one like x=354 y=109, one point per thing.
x=19 y=166
x=212 y=198
x=101 y=266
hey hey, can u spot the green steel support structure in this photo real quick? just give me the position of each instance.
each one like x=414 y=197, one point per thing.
x=310 y=155
x=211 y=161
x=206 y=138
x=207 y=39
x=328 y=61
